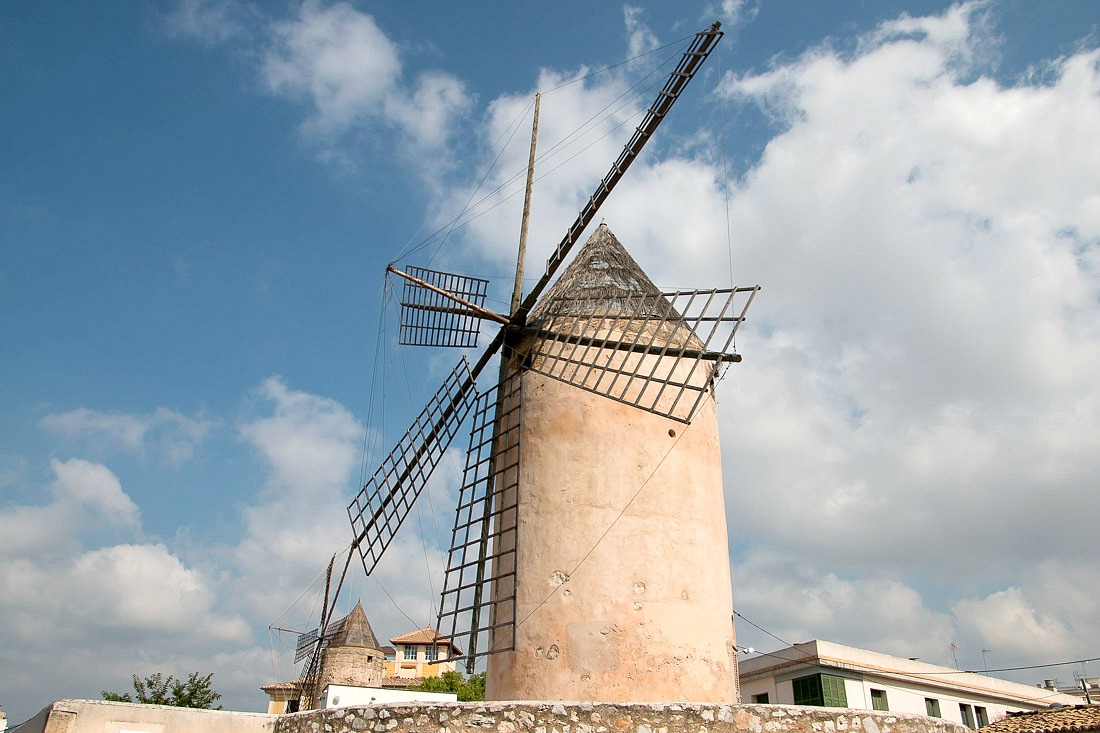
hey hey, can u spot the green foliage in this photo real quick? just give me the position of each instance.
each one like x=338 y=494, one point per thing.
x=156 y=689
x=468 y=690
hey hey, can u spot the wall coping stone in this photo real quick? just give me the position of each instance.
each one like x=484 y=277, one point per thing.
x=602 y=717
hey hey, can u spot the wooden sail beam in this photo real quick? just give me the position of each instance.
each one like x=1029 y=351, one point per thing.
x=692 y=59
x=476 y=309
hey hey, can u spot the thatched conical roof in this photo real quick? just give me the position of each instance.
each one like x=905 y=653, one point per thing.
x=353 y=630
x=602 y=278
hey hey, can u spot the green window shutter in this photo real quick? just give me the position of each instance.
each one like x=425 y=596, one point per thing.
x=832 y=688
x=878 y=700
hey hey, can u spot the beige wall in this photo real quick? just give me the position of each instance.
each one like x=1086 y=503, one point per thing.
x=101 y=716
x=419 y=667
x=623 y=586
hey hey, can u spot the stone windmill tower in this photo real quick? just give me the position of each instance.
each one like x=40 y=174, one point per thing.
x=624 y=577
x=589 y=557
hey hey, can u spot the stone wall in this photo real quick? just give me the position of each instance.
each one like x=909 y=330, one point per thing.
x=350 y=665
x=514 y=717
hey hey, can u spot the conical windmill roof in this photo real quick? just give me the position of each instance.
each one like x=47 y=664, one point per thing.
x=602 y=277
x=353 y=630
x=602 y=281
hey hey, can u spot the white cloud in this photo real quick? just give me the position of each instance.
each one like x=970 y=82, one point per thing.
x=917 y=392
x=310 y=441
x=1007 y=622
x=336 y=57
x=166 y=433
x=798 y=602
x=348 y=69
x=212 y=21
x=96 y=487
x=917 y=386
x=110 y=610
x=640 y=39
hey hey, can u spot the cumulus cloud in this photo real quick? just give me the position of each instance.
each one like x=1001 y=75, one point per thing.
x=1006 y=621
x=166 y=433
x=74 y=584
x=801 y=602
x=917 y=393
x=918 y=367
x=96 y=487
x=338 y=60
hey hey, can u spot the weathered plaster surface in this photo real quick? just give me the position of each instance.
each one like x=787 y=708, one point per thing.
x=623 y=587
x=572 y=717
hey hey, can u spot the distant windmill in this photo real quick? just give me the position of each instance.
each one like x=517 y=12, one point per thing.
x=589 y=555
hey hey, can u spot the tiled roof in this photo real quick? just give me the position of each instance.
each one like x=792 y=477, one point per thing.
x=401 y=681
x=427 y=635
x=1072 y=719
x=295 y=685
x=421 y=636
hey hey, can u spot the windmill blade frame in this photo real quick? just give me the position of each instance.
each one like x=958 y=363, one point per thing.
x=651 y=352
x=478 y=602
x=380 y=507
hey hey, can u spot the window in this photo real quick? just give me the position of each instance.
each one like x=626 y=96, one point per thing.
x=431 y=653
x=820 y=689
x=761 y=699
x=967 y=714
x=982 y=716
x=410 y=652
x=878 y=700
x=932 y=707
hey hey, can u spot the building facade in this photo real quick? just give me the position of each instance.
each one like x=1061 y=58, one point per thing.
x=833 y=675
x=418 y=654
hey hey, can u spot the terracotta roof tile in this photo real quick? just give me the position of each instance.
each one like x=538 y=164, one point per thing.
x=427 y=635
x=294 y=685
x=1073 y=719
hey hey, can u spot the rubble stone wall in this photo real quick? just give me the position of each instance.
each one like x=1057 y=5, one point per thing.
x=514 y=717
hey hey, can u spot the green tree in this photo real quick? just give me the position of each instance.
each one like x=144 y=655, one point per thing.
x=156 y=689
x=468 y=690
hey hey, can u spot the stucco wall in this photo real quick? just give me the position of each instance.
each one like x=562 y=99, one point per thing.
x=606 y=718
x=622 y=574
x=101 y=716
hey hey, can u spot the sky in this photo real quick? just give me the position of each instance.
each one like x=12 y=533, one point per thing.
x=198 y=200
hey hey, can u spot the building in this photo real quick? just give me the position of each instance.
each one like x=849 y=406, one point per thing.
x=833 y=675
x=623 y=581
x=418 y=654
x=350 y=656
x=1078 y=718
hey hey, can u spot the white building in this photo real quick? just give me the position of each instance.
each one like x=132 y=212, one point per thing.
x=834 y=675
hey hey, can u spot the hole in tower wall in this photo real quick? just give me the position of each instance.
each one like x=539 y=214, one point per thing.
x=671 y=433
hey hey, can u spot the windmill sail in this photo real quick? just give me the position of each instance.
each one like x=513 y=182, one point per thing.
x=431 y=319
x=478 y=602
x=381 y=506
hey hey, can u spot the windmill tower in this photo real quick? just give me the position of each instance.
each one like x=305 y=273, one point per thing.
x=623 y=580
x=589 y=557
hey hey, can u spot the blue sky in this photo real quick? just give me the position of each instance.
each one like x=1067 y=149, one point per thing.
x=198 y=200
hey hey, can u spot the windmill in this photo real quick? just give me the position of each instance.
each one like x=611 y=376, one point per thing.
x=605 y=389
